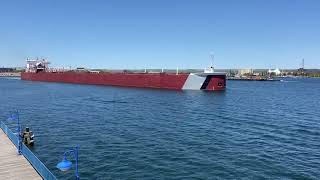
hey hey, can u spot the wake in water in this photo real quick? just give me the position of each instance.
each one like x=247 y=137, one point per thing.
x=286 y=81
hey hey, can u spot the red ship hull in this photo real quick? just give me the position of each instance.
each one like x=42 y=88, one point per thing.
x=144 y=80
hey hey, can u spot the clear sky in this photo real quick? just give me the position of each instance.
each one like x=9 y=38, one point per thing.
x=161 y=33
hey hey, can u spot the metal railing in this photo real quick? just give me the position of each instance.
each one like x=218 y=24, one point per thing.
x=34 y=161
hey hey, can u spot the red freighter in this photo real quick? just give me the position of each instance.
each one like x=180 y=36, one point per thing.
x=37 y=70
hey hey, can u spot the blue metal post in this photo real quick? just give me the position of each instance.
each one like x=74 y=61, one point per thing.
x=76 y=154
x=19 y=134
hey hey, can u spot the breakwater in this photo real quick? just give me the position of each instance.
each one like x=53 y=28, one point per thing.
x=10 y=74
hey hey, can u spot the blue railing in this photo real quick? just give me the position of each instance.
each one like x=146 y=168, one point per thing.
x=34 y=161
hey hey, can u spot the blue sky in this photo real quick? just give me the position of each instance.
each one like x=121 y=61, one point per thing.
x=161 y=33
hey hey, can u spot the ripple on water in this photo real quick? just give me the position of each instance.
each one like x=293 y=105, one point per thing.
x=253 y=130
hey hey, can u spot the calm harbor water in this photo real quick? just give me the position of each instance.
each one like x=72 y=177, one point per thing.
x=253 y=130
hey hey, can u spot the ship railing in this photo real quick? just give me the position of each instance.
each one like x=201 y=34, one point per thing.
x=42 y=170
x=57 y=70
x=133 y=71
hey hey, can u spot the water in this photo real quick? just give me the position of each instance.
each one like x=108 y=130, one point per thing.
x=253 y=130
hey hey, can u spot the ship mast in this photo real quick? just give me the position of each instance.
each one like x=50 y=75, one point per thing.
x=212 y=58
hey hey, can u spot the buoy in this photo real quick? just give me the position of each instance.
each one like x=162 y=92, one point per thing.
x=28 y=137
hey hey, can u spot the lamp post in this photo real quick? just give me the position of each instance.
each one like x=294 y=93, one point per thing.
x=19 y=134
x=15 y=117
x=66 y=165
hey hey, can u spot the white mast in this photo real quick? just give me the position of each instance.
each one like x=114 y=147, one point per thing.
x=212 y=58
x=210 y=69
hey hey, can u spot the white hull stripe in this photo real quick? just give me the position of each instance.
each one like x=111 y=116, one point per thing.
x=194 y=82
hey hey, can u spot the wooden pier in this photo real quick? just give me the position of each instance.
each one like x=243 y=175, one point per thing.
x=12 y=165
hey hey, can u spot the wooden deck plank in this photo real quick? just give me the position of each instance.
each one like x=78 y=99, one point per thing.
x=12 y=165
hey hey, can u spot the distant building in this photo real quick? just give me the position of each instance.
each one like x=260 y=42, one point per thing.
x=245 y=71
x=277 y=71
x=7 y=70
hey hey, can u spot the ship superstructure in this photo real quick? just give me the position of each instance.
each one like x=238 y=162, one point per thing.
x=37 y=65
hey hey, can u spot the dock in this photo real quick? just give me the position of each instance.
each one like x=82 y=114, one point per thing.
x=252 y=78
x=10 y=74
x=12 y=165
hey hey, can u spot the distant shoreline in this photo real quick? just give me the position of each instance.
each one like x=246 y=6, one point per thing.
x=10 y=74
